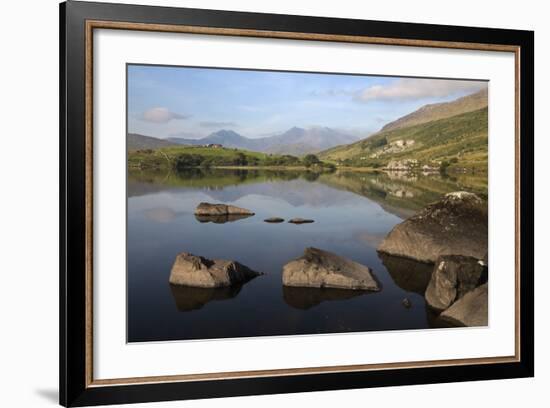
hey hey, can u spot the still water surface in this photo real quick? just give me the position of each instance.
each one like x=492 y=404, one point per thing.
x=352 y=211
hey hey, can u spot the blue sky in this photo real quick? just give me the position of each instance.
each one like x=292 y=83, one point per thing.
x=194 y=102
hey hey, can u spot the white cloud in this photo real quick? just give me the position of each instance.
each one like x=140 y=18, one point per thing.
x=412 y=88
x=160 y=115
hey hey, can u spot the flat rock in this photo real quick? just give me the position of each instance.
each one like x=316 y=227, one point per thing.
x=220 y=209
x=197 y=271
x=455 y=225
x=323 y=269
x=274 y=220
x=300 y=221
x=220 y=219
x=471 y=310
x=453 y=276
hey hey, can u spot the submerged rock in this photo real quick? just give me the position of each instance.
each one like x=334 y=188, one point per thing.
x=220 y=219
x=455 y=225
x=406 y=303
x=300 y=221
x=323 y=269
x=471 y=310
x=196 y=271
x=453 y=276
x=220 y=209
x=274 y=220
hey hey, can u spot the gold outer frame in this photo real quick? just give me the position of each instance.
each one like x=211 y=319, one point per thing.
x=117 y=25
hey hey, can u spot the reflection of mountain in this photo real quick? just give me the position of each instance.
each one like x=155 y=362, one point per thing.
x=306 y=298
x=402 y=196
x=409 y=275
x=188 y=298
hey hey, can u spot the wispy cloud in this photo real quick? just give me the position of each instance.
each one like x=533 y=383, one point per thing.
x=410 y=88
x=160 y=115
x=214 y=124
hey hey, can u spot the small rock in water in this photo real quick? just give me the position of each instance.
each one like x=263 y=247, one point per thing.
x=323 y=269
x=274 y=220
x=197 y=271
x=406 y=303
x=220 y=209
x=300 y=221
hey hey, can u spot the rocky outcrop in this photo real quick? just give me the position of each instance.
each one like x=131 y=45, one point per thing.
x=323 y=269
x=220 y=209
x=220 y=219
x=455 y=225
x=454 y=276
x=300 y=221
x=470 y=310
x=196 y=271
x=274 y=220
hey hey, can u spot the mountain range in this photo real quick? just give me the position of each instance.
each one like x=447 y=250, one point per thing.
x=296 y=141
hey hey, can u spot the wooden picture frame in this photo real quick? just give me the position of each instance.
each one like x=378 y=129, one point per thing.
x=78 y=20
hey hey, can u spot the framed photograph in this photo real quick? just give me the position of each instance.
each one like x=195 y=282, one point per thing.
x=256 y=203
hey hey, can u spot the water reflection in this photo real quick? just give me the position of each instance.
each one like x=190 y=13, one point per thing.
x=353 y=212
x=220 y=219
x=409 y=275
x=188 y=298
x=306 y=298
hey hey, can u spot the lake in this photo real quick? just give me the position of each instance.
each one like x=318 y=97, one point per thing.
x=353 y=212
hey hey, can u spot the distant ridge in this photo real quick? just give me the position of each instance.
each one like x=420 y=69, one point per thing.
x=435 y=111
x=295 y=141
x=138 y=142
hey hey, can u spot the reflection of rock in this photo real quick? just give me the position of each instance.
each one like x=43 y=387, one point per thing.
x=306 y=298
x=453 y=276
x=274 y=220
x=220 y=219
x=188 y=298
x=300 y=221
x=196 y=271
x=322 y=269
x=409 y=275
x=471 y=310
x=220 y=209
x=455 y=225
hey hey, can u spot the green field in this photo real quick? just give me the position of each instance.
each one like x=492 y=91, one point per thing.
x=182 y=157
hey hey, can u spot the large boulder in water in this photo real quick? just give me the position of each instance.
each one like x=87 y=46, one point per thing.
x=323 y=269
x=455 y=225
x=220 y=209
x=453 y=276
x=470 y=310
x=196 y=271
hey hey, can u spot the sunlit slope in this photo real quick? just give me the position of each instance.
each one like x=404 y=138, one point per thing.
x=460 y=140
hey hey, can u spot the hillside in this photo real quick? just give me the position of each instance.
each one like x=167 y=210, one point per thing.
x=136 y=142
x=459 y=141
x=438 y=111
x=295 y=141
x=182 y=157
